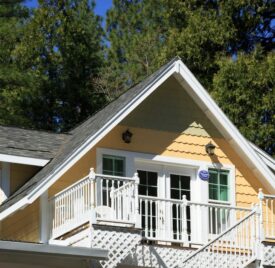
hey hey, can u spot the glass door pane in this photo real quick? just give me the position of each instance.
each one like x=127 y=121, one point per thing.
x=180 y=185
x=148 y=186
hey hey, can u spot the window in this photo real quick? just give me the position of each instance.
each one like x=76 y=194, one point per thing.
x=218 y=185
x=148 y=183
x=180 y=185
x=113 y=165
x=218 y=191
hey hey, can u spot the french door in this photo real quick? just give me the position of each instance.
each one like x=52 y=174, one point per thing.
x=163 y=188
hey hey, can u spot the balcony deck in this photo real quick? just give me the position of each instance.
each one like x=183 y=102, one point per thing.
x=118 y=215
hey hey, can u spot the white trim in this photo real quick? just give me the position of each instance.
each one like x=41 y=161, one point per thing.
x=230 y=132
x=187 y=167
x=200 y=96
x=44 y=218
x=88 y=144
x=5 y=180
x=264 y=156
x=23 y=160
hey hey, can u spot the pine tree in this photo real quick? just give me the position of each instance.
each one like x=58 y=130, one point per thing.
x=206 y=35
x=12 y=18
x=136 y=31
x=62 y=48
x=245 y=89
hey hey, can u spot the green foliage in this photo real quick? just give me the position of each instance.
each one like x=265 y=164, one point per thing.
x=144 y=34
x=245 y=89
x=61 y=50
x=136 y=31
x=12 y=79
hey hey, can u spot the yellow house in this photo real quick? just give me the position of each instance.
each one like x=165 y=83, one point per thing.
x=158 y=178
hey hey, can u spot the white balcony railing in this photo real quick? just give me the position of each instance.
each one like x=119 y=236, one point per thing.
x=95 y=198
x=185 y=222
x=268 y=214
x=114 y=200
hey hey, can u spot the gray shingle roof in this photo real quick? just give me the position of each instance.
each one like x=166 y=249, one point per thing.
x=81 y=133
x=30 y=143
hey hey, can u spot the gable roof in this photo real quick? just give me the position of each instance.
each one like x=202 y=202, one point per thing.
x=86 y=135
x=30 y=143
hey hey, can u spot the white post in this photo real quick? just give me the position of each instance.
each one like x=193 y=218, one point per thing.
x=137 y=216
x=92 y=177
x=259 y=227
x=45 y=217
x=261 y=198
x=184 y=220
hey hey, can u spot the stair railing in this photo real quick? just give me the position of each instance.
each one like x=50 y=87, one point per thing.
x=235 y=247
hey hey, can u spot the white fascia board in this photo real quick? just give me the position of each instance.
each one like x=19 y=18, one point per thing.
x=219 y=119
x=264 y=156
x=23 y=160
x=88 y=145
x=52 y=250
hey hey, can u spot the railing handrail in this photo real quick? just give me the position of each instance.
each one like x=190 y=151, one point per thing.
x=268 y=196
x=111 y=177
x=220 y=235
x=154 y=198
x=219 y=206
x=121 y=188
x=69 y=187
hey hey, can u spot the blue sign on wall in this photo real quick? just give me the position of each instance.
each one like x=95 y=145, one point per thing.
x=204 y=175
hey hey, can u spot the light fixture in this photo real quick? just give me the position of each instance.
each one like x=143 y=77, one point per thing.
x=127 y=136
x=210 y=148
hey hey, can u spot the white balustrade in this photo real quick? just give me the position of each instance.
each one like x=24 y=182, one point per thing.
x=115 y=199
x=71 y=207
x=268 y=214
x=175 y=220
x=236 y=247
x=94 y=198
x=99 y=198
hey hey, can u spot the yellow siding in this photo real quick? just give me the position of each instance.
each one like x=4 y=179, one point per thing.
x=23 y=225
x=169 y=144
x=20 y=174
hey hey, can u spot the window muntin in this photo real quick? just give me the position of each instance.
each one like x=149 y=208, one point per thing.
x=180 y=185
x=218 y=185
x=113 y=165
x=148 y=184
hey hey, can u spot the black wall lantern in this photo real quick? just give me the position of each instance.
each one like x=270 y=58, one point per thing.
x=127 y=136
x=210 y=148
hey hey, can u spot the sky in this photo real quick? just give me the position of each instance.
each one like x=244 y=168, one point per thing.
x=100 y=9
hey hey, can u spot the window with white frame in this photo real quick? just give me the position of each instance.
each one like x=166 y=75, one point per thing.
x=219 y=189
x=218 y=185
x=113 y=165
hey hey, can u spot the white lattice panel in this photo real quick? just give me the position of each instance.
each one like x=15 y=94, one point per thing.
x=216 y=260
x=119 y=241
x=269 y=254
x=156 y=256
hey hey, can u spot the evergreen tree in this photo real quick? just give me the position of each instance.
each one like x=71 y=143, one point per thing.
x=245 y=89
x=12 y=18
x=206 y=35
x=136 y=32
x=62 y=48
